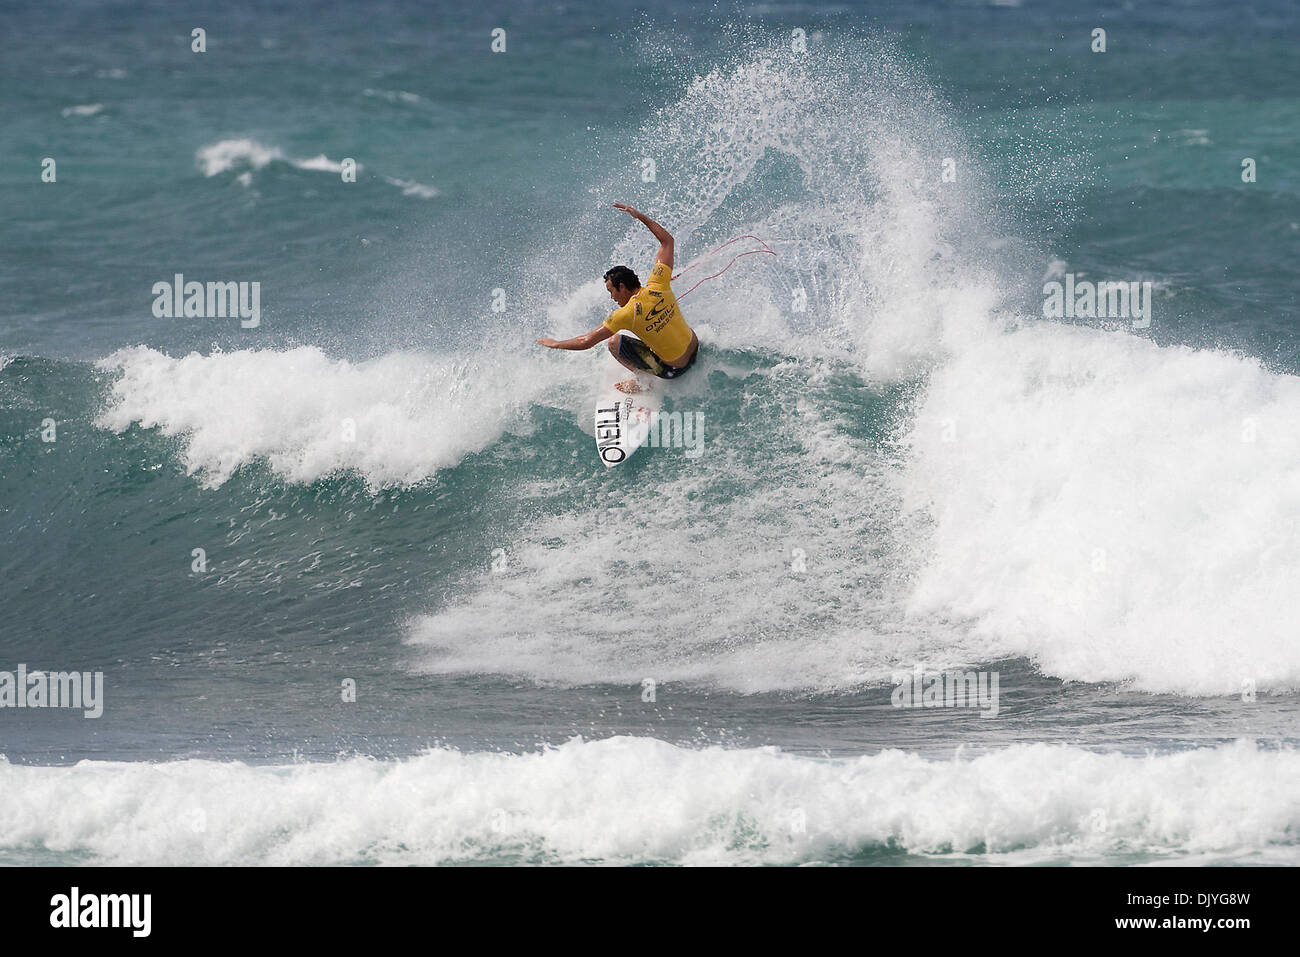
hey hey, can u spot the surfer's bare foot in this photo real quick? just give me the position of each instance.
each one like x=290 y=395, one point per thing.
x=629 y=386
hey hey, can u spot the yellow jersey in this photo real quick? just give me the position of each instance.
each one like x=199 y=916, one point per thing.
x=653 y=317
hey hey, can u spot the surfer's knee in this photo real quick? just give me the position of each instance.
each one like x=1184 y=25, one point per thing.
x=612 y=343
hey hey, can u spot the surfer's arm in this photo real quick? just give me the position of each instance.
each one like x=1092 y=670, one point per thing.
x=665 y=238
x=578 y=343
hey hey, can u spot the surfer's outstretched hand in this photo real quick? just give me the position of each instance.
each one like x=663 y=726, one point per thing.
x=665 y=254
x=549 y=343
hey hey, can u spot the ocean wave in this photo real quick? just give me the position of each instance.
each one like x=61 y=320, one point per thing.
x=1115 y=510
x=394 y=96
x=249 y=156
x=639 y=800
x=226 y=155
x=87 y=109
x=395 y=420
x=409 y=188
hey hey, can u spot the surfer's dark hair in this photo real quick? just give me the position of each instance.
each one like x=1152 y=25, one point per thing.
x=622 y=276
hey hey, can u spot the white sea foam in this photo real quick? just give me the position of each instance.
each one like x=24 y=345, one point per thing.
x=87 y=109
x=411 y=188
x=394 y=96
x=1115 y=509
x=227 y=154
x=321 y=163
x=250 y=155
x=629 y=800
x=413 y=413
x=230 y=154
x=774 y=561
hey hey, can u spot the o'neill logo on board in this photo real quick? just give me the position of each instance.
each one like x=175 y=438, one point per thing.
x=609 y=431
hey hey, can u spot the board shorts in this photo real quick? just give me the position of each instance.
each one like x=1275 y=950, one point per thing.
x=636 y=352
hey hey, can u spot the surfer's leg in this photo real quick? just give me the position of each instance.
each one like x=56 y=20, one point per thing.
x=615 y=344
x=634 y=354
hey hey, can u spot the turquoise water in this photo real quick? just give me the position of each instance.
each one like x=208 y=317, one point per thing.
x=915 y=469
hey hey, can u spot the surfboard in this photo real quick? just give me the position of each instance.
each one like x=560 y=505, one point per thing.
x=623 y=420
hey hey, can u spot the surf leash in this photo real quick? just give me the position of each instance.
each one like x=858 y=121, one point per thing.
x=766 y=249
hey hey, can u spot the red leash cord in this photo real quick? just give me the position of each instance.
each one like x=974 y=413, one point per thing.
x=766 y=249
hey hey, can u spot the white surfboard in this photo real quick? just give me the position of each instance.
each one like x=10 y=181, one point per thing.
x=624 y=419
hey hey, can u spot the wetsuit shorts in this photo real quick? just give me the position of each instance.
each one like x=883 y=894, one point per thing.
x=638 y=354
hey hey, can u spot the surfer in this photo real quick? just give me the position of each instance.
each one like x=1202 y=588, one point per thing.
x=647 y=332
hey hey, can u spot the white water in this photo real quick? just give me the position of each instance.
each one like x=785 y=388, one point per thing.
x=395 y=420
x=627 y=800
x=1116 y=510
